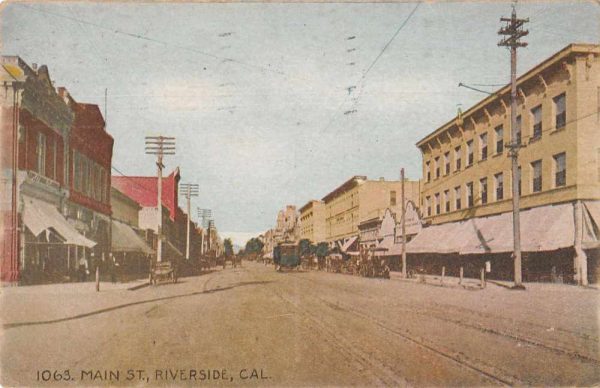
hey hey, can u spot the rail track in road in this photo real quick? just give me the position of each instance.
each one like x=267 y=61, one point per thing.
x=490 y=373
x=443 y=315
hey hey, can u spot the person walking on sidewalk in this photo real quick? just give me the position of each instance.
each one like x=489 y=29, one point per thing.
x=83 y=269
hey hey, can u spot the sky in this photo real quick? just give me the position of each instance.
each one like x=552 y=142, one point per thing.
x=275 y=104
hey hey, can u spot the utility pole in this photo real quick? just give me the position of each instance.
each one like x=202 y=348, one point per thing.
x=190 y=190
x=159 y=146
x=204 y=214
x=513 y=32
x=404 y=271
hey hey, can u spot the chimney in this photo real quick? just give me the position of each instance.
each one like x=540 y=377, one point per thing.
x=63 y=93
x=34 y=67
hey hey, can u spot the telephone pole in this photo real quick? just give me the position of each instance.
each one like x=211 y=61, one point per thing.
x=204 y=214
x=159 y=146
x=190 y=190
x=404 y=271
x=513 y=32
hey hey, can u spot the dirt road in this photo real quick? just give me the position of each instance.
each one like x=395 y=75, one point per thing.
x=253 y=326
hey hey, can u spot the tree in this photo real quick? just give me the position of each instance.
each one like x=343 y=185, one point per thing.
x=322 y=249
x=254 y=245
x=304 y=247
x=228 y=247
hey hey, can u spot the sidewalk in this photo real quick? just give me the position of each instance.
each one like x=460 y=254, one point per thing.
x=55 y=301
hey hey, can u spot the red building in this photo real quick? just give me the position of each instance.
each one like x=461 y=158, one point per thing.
x=89 y=164
x=36 y=125
x=144 y=191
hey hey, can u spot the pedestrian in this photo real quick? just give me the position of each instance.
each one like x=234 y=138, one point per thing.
x=83 y=269
x=114 y=266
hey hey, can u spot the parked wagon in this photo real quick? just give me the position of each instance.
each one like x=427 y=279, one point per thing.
x=163 y=271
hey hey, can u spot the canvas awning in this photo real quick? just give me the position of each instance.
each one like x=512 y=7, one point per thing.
x=591 y=222
x=348 y=244
x=544 y=228
x=125 y=239
x=40 y=216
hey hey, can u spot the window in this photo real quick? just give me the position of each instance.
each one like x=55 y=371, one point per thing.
x=499 y=183
x=457 y=159
x=447 y=163
x=560 y=108
x=447 y=200
x=518 y=129
x=536 y=114
x=428 y=205
x=437 y=203
x=469 y=194
x=437 y=167
x=41 y=154
x=536 y=169
x=560 y=170
x=484 y=190
x=392 y=198
x=54 y=148
x=483 y=146
x=428 y=170
x=499 y=139
x=457 y=198
x=469 y=152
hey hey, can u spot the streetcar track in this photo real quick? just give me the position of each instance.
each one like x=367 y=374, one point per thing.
x=490 y=373
x=443 y=316
x=344 y=347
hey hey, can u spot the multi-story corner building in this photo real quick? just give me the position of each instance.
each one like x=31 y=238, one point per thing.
x=38 y=123
x=312 y=221
x=89 y=164
x=467 y=170
x=360 y=199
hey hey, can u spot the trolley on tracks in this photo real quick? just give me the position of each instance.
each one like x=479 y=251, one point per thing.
x=286 y=255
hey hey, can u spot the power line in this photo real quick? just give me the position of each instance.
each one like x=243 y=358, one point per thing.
x=154 y=40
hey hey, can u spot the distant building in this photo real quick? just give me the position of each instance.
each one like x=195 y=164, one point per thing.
x=359 y=199
x=312 y=221
x=467 y=173
x=144 y=190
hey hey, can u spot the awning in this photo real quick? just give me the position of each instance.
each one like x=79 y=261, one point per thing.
x=591 y=222
x=39 y=216
x=174 y=249
x=544 y=228
x=385 y=244
x=125 y=239
x=348 y=244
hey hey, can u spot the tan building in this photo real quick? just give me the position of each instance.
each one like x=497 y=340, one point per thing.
x=312 y=221
x=466 y=167
x=360 y=199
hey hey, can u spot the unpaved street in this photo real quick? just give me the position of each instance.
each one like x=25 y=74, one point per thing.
x=251 y=325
